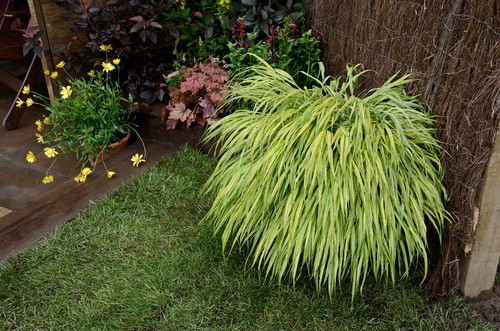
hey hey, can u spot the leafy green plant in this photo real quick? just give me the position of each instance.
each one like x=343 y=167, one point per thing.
x=88 y=117
x=326 y=182
x=289 y=47
x=200 y=29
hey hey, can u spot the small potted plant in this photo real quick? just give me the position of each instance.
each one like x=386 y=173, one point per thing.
x=90 y=118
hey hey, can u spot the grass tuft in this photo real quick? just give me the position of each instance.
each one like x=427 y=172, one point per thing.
x=325 y=181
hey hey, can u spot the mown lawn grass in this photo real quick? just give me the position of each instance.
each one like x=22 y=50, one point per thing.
x=140 y=260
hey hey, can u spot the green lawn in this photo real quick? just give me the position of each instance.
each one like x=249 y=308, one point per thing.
x=140 y=260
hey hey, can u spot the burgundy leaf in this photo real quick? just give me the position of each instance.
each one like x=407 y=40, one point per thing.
x=160 y=93
x=190 y=120
x=136 y=27
x=156 y=25
x=144 y=35
x=208 y=107
x=171 y=124
x=218 y=93
x=137 y=18
x=153 y=37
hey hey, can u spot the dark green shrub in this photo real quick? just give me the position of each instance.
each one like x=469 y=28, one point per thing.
x=261 y=15
x=290 y=47
x=200 y=29
x=325 y=182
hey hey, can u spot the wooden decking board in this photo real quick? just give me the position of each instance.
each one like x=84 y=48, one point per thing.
x=59 y=205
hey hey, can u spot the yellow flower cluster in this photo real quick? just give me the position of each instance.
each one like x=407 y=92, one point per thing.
x=66 y=90
x=225 y=3
x=51 y=152
x=29 y=101
x=84 y=173
x=182 y=3
x=82 y=176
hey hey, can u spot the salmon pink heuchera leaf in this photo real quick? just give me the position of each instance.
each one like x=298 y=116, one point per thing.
x=193 y=83
x=178 y=112
x=195 y=93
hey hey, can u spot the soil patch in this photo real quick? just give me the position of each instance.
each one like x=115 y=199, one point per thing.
x=488 y=305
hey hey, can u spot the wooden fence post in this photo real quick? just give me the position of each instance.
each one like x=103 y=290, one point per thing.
x=480 y=265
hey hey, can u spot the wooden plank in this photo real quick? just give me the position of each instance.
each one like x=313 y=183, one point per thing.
x=10 y=80
x=479 y=268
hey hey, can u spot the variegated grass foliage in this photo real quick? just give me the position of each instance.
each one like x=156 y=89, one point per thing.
x=320 y=178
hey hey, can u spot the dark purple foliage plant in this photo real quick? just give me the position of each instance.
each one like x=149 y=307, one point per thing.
x=132 y=30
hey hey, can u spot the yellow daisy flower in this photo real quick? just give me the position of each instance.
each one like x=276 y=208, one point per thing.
x=111 y=174
x=105 y=48
x=39 y=138
x=30 y=157
x=29 y=102
x=80 y=178
x=46 y=120
x=54 y=75
x=26 y=89
x=108 y=66
x=60 y=65
x=66 y=92
x=50 y=152
x=137 y=159
x=91 y=73
x=39 y=125
x=116 y=61
x=46 y=72
x=19 y=103
x=48 y=179
x=86 y=171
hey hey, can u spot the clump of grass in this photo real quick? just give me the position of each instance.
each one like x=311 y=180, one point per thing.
x=325 y=180
x=140 y=260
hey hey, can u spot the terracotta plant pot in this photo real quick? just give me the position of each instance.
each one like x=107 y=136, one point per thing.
x=112 y=149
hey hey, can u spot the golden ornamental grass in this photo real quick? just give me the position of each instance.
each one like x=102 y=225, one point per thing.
x=323 y=182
